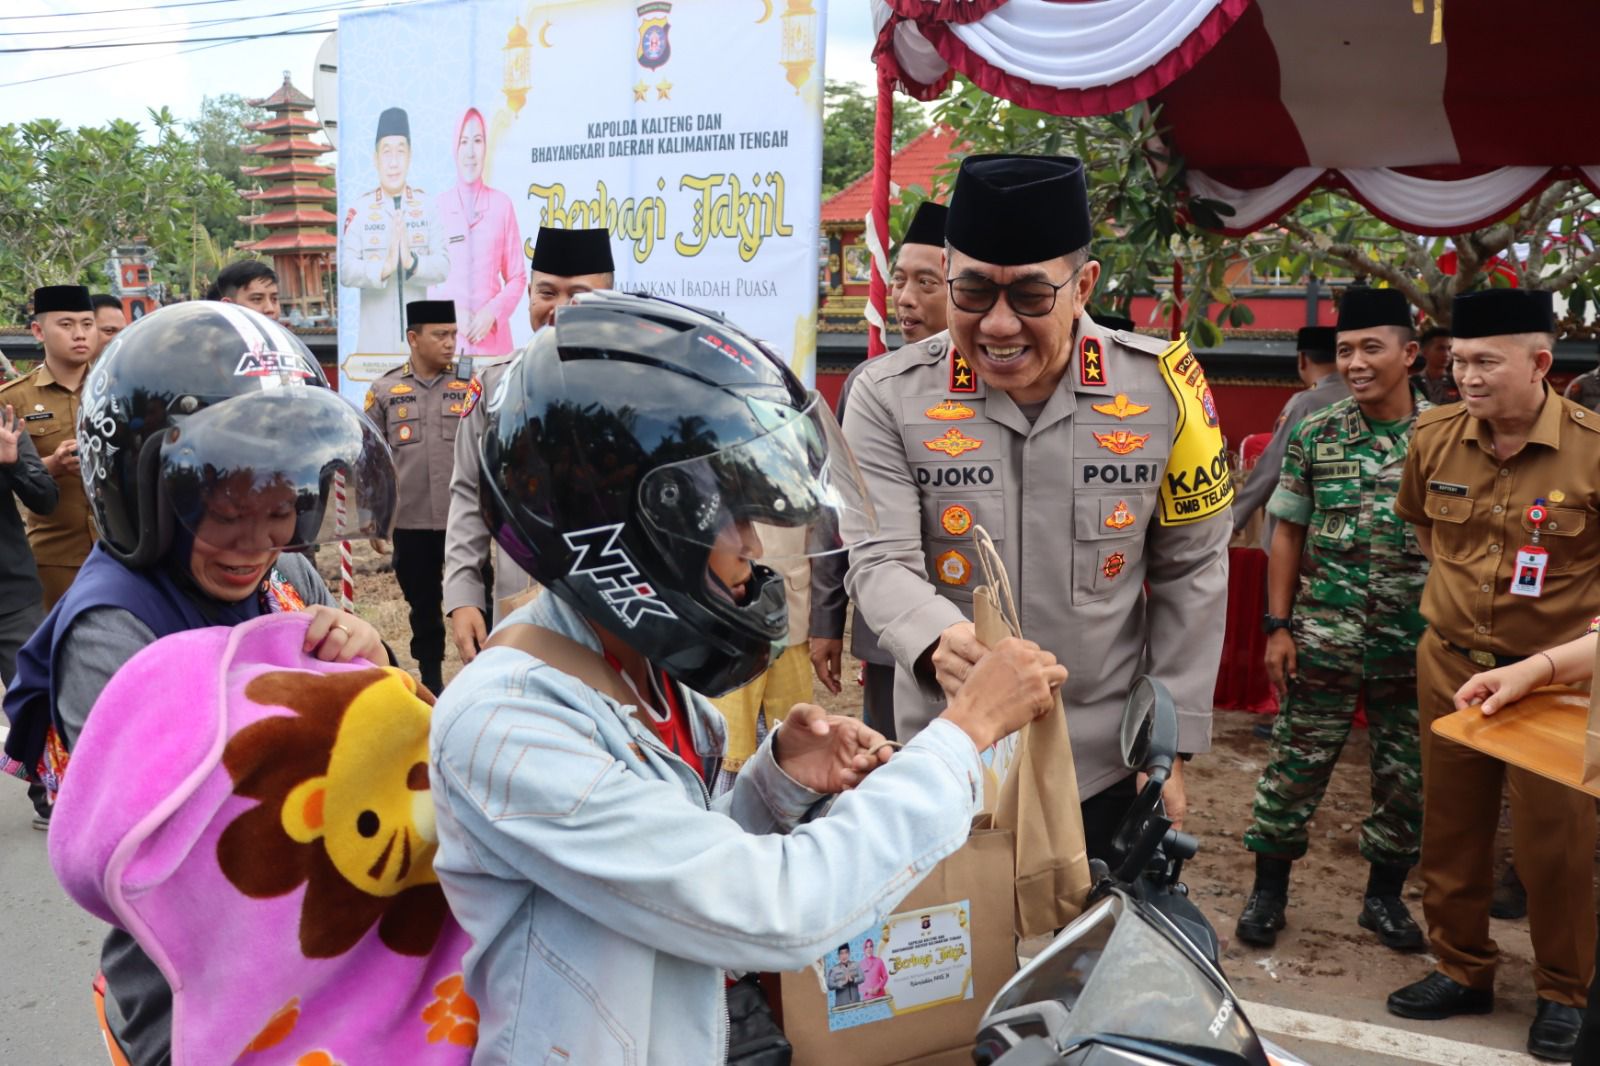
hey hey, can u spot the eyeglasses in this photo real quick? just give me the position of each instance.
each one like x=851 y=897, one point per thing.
x=1030 y=297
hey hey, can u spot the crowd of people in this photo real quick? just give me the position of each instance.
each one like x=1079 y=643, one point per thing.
x=639 y=529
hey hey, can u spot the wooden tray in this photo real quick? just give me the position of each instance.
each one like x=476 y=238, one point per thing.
x=1542 y=732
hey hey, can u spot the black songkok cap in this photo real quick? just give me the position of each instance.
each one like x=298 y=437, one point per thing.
x=61 y=298
x=1009 y=210
x=392 y=123
x=1364 y=308
x=1112 y=322
x=430 y=312
x=927 y=225
x=1317 y=338
x=569 y=253
x=1500 y=312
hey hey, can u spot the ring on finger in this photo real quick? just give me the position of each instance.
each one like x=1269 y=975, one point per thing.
x=341 y=627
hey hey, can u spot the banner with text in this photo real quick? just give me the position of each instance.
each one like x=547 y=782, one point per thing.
x=691 y=129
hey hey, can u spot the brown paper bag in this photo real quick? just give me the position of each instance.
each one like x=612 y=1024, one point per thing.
x=943 y=980
x=1038 y=797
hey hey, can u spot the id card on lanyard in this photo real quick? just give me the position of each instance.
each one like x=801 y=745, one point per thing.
x=1527 y=577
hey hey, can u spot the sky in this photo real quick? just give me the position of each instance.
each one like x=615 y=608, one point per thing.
x=62 y=85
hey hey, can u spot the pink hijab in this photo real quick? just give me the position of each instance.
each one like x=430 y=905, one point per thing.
x=468 y=191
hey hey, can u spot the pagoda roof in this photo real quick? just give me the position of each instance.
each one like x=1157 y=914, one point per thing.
x=285 y=124
x=292 y=168
x=291 y=193
x=287 y=98
x=311 y=241
x=288 y=147
x=917 y=163
x=292 y=216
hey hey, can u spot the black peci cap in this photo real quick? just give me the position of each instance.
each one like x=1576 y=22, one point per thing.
x=569 y=253
x=927 y=225
x=393 y=123
x=49 y=298
x=1499 y=312
x=429 y=312
x=1362 y=307
x=1014 y=209
x=1316 y=339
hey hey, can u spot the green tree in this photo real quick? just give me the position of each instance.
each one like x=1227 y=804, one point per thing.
x=220 y=140
x=68 y=196
x=848 y=117
x=1145 y=223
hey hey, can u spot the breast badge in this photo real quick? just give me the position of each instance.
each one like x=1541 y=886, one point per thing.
x=953 y=568
x=954 y=443
x=404 y=434
x=956 y=520
x=1113 y=565
x=949 y=411
x=401 y=411
x=1121 y=517
x=399 y=390
x=1120 y=407
x=1121 y=442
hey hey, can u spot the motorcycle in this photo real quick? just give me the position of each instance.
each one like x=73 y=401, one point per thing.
x=1134 y=980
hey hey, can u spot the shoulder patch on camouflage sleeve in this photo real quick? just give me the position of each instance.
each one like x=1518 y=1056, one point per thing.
x=1198 y=482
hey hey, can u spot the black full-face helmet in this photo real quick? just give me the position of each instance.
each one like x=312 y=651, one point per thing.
x=217 y=419
x=633 y=436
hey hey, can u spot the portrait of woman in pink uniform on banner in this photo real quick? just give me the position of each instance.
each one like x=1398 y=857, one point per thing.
x=487 y=272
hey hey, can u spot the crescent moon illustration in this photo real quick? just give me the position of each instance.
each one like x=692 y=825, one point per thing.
x=766 y=12
x=544 y=39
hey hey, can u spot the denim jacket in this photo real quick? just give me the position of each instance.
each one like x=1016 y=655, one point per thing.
x=605 y=894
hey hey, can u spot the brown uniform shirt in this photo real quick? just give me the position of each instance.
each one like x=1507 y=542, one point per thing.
x=1476 y=506
x=50 y=412
x=420 y=419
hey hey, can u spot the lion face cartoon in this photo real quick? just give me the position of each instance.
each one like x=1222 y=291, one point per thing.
x=344 y=808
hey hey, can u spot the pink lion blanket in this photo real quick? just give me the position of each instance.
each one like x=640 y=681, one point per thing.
x=261 y=823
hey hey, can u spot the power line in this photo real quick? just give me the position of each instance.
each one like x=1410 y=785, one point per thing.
x=125 y=63
x=346 y=5
x=178 y=40
x=119 y=10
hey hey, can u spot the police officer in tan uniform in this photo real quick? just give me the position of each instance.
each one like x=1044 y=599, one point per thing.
x=1093 y=458
x=48 y=400
x=1504 y=491
x=419 y=407
x=389 y=247
x=565 y=263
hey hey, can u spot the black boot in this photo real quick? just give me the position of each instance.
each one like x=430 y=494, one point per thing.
x=1263 y=913
x=1383 y=911
x=1510 y=898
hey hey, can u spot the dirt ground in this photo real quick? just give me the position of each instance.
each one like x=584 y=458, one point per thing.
x=1322 y=948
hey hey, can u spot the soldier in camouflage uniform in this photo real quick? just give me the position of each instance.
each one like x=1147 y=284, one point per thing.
x=1585 y=389
x=1353 y=573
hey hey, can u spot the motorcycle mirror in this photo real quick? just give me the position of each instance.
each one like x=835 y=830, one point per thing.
x=1149 y=726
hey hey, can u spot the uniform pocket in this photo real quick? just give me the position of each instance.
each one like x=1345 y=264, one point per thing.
x=952 y=554
x=1099 y=568
x=404 y=432
x=1449 y=515
x=1334 y=528
x=1560 y=536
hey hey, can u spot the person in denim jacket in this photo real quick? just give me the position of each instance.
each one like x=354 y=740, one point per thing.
x=629 y=452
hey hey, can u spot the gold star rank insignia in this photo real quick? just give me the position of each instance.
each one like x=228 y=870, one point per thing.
x=663 y=89
x=961 y=377
x=640 y=91
x=1091 y=363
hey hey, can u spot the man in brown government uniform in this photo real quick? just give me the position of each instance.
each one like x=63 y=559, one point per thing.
x=1504 y=490
x=916 y=285
x=419 y=406
x=47 y=399
x=1093 y=458
x=565 y=263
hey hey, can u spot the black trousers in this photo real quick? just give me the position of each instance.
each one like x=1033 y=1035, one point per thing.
x=419 y=568
x=1103 y=813
x=1588 y=1053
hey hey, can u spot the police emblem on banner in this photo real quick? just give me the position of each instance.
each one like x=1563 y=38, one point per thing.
x=655 y=48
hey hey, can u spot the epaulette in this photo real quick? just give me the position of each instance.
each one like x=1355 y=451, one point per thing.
x=1435 y=415
x=18 y=380
x=1141 y=342
x=908 y=357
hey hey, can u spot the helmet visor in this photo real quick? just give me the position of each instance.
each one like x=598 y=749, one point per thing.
x=282 y=468
x=799 y=476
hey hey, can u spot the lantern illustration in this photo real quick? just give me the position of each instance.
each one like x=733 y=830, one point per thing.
x=799 y=42
x=518 y=50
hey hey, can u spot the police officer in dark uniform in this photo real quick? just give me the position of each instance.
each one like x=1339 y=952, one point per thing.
x=419 y=405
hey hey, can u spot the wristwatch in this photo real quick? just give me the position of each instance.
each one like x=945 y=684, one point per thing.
x=1271 y=622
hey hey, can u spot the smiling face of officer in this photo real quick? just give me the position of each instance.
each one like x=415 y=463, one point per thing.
x=392 y=157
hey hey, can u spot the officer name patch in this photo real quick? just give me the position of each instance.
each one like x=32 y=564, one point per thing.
x=1324 y=471
x=1121 y=442
x=940 y=477
x=38 y=415
x=953 y=568
x=1091 y=362
x=949 y=411
x=1448 y=488
x=956 y=520
x=1121 y=517
x=1121 y=408
x=953 y=443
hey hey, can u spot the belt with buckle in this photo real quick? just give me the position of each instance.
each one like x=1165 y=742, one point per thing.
x=1486 y=659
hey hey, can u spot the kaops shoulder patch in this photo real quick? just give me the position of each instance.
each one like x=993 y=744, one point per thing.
x=1198 y=483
